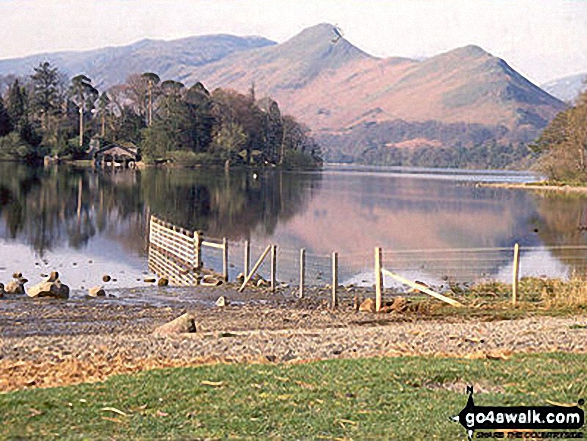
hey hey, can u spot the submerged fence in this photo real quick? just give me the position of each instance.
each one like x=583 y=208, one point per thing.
x=182 y=256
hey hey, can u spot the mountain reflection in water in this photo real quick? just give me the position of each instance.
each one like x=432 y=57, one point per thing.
x=87 y=223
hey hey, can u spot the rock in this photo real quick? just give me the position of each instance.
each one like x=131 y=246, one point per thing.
x=17 y=275
x=150 y=280
x=181 y=325
x=209 y=280
x=262 y=283
x=367 y=306
x=163 y=282
x=14 y=287
x=399 y=304
x=97 y=291
x=222 y=301
x=1 y=290
x=49 y=289
x=106 y=278
x=53 y=277
x=240 y=278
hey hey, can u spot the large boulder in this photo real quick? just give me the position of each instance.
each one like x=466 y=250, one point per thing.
x=183 y=324
x=49 y=289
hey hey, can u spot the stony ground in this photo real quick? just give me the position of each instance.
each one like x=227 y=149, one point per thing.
x=47 y=343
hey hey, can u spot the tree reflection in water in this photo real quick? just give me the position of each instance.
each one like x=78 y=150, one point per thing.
x=65 y=206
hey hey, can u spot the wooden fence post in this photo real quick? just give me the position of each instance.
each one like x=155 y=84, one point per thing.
x=334 y=279
x=198 y=249
x=247 y=258
x=516 y=274
x=255 y=268
x=378 y=278
x=302 y=271
x=225 y=259
x=273 y=268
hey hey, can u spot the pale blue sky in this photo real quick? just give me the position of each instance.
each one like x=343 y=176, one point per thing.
x=542 y=39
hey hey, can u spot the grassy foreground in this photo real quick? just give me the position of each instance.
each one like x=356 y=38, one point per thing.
x=384 y=398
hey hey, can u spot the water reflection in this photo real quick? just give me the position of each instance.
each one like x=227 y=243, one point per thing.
x=58 y=217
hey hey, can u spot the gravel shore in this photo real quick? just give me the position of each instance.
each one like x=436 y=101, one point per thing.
x=46 y=343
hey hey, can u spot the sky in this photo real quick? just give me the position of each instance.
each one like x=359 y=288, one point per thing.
x=542 y=39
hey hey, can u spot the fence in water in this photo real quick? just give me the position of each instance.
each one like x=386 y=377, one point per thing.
x=181 y=255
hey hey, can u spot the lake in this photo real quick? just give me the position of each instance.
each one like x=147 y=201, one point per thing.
x=433 y=225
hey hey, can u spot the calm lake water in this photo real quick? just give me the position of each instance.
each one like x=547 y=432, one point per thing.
x=432 y=224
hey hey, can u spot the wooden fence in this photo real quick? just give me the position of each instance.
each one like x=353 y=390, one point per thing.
x=176 y=253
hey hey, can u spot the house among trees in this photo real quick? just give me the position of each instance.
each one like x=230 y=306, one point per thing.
x=115 y=155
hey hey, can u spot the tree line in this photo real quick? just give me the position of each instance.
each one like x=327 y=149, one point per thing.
x=562 y=146
x=48 y=113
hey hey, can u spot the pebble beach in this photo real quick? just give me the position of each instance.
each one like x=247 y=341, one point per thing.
x=46 y=343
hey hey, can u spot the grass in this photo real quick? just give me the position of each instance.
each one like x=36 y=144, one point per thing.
x=492 y=300
x=406 y=398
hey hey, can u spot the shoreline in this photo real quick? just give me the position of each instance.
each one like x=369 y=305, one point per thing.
x=535 y=187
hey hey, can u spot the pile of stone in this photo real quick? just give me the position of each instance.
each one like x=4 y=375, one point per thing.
x=52 y=287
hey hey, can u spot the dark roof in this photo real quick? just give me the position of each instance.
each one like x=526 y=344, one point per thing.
x=117 y=150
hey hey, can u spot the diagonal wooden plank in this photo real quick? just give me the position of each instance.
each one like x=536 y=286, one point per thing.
x=422 y=288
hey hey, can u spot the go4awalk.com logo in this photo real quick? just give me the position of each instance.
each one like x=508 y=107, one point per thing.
x=524 y=422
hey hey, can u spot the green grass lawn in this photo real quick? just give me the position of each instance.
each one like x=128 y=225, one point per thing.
x=380 y=398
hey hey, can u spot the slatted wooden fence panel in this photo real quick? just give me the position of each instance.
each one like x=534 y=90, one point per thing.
x=176 y=241
x=160 y=263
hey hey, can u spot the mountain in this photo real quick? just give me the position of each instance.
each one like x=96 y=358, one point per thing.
x=349 y=97
x=352 y=100
x=567 y=88
x=112 y=65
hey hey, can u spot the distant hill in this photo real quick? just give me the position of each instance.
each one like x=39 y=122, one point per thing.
x=112 y=65
x=350 y=99
x=568 y=88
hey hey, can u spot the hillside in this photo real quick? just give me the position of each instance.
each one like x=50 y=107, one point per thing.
x=112 y=65
x=567 y=88
x=350 y=99
x=355 y=100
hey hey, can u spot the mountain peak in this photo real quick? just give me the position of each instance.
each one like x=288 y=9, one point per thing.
x=320 y=42
x=470 y=51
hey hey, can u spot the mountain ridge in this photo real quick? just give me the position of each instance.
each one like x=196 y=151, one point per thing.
x=338 y=90
x=568 y=88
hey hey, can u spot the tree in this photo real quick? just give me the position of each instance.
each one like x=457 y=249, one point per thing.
x=152 y=80
x=84 y=95
x=18 y=110
x=103 y=110
x=172 y=88
x=45 y=99
x=16 y=103
x=136 y=90
x=563 y=144
x=230 y=140
x=273 y=130
x=5 y=122
x=200 y=106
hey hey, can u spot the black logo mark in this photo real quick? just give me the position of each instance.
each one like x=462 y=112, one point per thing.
x=474 y=417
